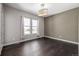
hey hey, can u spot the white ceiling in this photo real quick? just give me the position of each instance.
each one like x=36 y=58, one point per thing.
x=53 y=8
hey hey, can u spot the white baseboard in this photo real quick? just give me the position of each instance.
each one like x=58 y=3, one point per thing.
x=62 y=40
x=19 y=41
x=40 y=37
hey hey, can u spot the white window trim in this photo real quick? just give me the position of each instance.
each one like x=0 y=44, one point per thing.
x=22 y=31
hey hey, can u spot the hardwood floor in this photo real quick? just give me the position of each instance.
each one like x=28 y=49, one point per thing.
x=41 y=47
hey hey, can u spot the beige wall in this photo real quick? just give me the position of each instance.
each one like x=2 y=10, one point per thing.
x=1 y=26
x=0 y=29
x=0 y=23
x=13 y=21
x=63 y=25
x=78 y=32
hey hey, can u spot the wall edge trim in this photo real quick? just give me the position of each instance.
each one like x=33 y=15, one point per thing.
x=19 y=41
x=62 y=40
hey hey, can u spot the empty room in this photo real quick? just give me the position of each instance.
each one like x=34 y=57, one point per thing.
x=39 y=29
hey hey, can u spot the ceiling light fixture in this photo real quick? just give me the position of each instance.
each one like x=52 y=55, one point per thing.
x=43 y=11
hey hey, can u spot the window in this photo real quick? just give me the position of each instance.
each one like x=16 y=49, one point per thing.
x=34 y=26
x=30 y=26
x=26 y=25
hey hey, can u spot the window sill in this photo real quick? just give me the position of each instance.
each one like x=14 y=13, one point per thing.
x=31 y=34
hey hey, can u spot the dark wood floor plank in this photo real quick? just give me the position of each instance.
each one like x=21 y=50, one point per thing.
x=41 y=47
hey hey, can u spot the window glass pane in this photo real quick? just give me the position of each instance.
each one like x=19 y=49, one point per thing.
x=26 y=30
x=34 y=30
x=30 y=26
x=34 y=22
x=26 y=21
